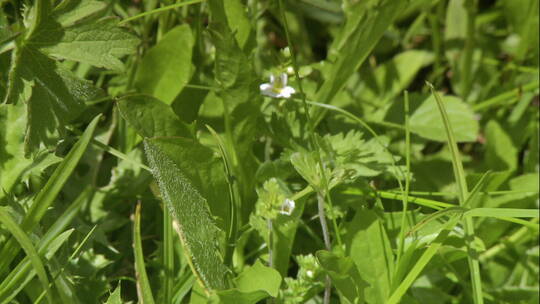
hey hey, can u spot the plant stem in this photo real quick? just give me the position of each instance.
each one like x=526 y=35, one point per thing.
x=466 y=62
x=327 y=244
x=270 y=243
x=407 y=179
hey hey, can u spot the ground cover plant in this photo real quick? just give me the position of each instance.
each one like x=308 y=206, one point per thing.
x=278 y=151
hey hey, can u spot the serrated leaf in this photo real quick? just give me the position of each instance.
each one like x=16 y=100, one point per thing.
x=426 y=120
x=180 y=168
x=233 y=71
x=166 y=67
x=152 y=118
x=99 y=43
x=54 y=97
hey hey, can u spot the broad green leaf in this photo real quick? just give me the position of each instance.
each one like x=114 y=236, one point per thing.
x=234 y=296
x=254 y=284
x=151 y=117
x=369 y=248
x=186 y=176
x=259 y=277
x=166 y=68
x=426 y=120
x=345 y=276
x=365 y=25
x=238 y=21
x=50 y=191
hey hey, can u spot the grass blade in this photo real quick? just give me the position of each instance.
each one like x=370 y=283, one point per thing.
x=48 y=193
x=423 y=261
x=502 y=212
x=459 y=174
x=144 y=291
x=25 y=242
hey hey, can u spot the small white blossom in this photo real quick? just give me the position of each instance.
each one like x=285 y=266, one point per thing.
x=287 y=207
x=290 y=70
x=309 y=273
x=277 y=88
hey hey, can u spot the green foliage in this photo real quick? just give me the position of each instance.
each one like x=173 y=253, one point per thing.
x=141 y=162
x=166 y=68
x=184 y=174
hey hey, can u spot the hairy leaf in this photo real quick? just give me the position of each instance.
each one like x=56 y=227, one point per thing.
x=179 y=167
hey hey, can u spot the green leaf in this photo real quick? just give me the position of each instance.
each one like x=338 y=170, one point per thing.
x=423 y=261
x=254 y=284
x=115 y=297
x=501 y=153
x=232 y=69
x=189 y=182
x=238 y=21
x=68 y=33
x=50 y=191
x=426 y=120
x=54 y=97
x=365 y=25
x=152 y=118
x=370 y=249
x=166 y=67
x=393 y=76
x=12 y=160
x=345 y=276
x=259 y=277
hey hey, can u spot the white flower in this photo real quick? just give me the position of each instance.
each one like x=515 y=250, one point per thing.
x=277 y=88
x=287 y=207
x=309 y=273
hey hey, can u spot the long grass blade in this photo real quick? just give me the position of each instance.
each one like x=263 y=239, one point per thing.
x=25 y=242
x=459 y=174
x=50 y=191
x=144 y=291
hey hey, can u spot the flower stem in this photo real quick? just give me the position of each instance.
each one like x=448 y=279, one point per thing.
x=327 y=244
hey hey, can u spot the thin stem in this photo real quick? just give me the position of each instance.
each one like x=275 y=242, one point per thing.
x=270 y=242
x=312 y=139
x=407 y=179
x=159 y=10
x=322 y=218
x=327 y=244
x=521 y=234
x=466 y=67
